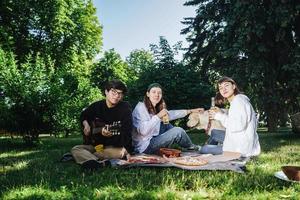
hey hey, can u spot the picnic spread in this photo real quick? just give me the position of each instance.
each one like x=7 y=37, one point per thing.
x=187 y=160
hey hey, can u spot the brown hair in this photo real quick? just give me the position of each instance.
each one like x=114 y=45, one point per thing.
x=161 y=104
x=220 y=100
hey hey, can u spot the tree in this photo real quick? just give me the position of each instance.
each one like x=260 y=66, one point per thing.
x=140 y=60
x=26 y=94
x=256 y=43
x=110 y=66
x=182 y=85
x=48 y=47
x=55 y=28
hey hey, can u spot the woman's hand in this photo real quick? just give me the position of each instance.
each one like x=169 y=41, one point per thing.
x=195 y=110
x=212 y=112
x=162 y=113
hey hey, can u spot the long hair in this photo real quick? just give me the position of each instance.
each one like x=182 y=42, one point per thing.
x=159 y=106
x=219 y=99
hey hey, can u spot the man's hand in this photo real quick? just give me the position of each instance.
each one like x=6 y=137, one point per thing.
x=106 y=132
x=212 y=112
x=86 y=128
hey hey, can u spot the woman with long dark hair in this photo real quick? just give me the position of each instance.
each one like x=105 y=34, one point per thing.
x=150 y=123
x=240 y=121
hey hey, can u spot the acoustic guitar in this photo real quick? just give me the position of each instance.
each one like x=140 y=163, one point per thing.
x=96 y=129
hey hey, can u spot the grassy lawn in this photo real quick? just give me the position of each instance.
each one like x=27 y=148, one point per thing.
x=36 y=173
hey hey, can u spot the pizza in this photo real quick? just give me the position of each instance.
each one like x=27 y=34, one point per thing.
x=188 y=160
x=149 y=159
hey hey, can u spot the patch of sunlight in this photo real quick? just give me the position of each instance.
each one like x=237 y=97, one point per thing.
x=185 y=194
x=14 y=167
x=288 y=148
x=38 y=192
x=16 y=154
x=21 y=165
x=118 y=192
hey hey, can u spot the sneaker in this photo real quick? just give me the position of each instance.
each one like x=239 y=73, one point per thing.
x=66 y=157
x=94 y=164
x=194 y=147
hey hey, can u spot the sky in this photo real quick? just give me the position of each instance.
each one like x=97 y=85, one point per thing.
x=134 y=24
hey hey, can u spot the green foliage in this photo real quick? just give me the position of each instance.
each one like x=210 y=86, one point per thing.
x=55 y=28
x=37 y=98
x=182 y=85
x=45 y=79
x=140 y=60
x=26 y=90
x=256 y=43
x=110 y=66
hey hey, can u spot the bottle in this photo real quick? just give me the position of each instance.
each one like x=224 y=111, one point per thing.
x=213 y=103
x=212 y=107
x=165 y=118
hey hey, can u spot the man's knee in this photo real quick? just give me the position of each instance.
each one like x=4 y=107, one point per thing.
x=79 y=148
x=112 y=153
x=76 y=148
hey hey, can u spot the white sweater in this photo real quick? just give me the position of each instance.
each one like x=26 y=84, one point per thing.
x=146 y=125
x=241 y=125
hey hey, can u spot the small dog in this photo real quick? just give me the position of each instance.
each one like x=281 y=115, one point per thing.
x=201 y=121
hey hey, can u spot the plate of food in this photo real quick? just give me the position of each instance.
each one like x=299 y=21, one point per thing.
x=188 y=160
x=170 y=153
x=145 y=159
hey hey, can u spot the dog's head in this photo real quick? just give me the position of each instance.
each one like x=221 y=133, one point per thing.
x=198 y=120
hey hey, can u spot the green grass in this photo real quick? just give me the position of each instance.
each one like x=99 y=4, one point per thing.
x=36 y=173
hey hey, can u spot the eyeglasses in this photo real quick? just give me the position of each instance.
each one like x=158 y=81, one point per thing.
x=115 y=92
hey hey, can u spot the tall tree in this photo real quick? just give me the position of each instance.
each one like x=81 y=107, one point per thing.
x=56 y=28
x=183 y=85
x=256 y=43
x=110 y=66
x=140 y=60
x=48 y=47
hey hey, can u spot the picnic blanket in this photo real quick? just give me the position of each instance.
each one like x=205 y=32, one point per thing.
x=227 y=161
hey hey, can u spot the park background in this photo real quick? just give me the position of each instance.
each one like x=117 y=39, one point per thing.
x=52 y=65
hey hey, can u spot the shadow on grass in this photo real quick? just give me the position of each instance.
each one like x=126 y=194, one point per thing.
x=273 y=141
x=41 y=169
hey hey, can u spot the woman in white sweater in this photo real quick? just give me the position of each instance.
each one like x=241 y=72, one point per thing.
x=240 y=122
x=150 y=133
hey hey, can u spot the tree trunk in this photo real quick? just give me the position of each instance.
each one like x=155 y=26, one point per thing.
x=272 y=122
x=272 y=116
x=296 y=122
x=283 y=117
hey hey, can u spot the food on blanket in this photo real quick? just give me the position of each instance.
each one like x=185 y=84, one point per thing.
x=145 y=159
x=99 y=148
x=201 y=121
x=189 y=161
x=170 y=153
x=292 y=172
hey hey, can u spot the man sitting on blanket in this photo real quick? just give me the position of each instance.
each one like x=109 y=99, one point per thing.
x=107 y=126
